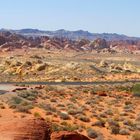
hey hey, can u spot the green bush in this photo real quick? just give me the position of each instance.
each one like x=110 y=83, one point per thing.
x=30 y=95
x=126 y=88
x=24 y=109
x=84 y=118
x=48 y=107
x=37 y=115
x=136 y=136
x=69 y=127
x=73 y=99
x=16 y=100
x=64 y=116
x=72 y=112
x=56 y=127
x=92 y=133
x=20 y=105
x=114 y=129
x=136 y=90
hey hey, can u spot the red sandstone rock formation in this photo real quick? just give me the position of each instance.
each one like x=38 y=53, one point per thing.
x=64 y=135
x=14 y=41
x=34 y=129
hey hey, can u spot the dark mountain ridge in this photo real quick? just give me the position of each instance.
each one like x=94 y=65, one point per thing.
x=73 y=35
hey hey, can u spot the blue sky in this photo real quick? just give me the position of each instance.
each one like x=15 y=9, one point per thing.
x=98 y=16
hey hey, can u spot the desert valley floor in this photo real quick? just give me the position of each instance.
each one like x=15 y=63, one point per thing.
x=102 y=112
x=62 y=66
x=107 y=108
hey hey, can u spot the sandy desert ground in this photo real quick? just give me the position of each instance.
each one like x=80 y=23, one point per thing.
x=60 y=66
x=102 y=112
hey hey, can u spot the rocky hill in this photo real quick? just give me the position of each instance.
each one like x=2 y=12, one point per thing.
x=74 y=35
x=10 y=41
x=35 y=129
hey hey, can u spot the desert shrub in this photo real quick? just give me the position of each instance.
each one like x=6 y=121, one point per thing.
x=50 y=88
x=72 y=112
x=29 y=94
x=92 y=133
x=21 y=85
x=47 y=107
x=128 y=102
x=136 y=136
x=2 y=106
x=83 y=118
x=102 y=115
x=117 y=117
x=126 y=88
x=35 y=57
x=37 y=115
x=24 y=109
x=64 y=116
x=115 y=129
x=80 y=129
x=14 y=101
x=53 y=100
x=124 y=131
x=20 y=105
x=64 y=123
x=69 y=127
x=71 y=106
x=129 y=123
x=73 y=99
x=112 y=122
x=101 y=123
x=136 y=90
x=128 y=106
x=90 y=102
x=60 y=105
x=56 y=127
x=81 y=110
x=114 y=126
x=93 y=91
x=85 y=90
x=49 y=113
x=109 y=112
x=48 y=119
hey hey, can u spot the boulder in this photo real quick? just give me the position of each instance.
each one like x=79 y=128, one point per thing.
x=71 y=65
x=100 y=44
x=64 y=135
x=124 y=132
x=40 y=67
x=103 y=64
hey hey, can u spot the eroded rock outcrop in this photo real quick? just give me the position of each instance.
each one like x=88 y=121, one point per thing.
x=26 y=129
x=35 y=129
x=64 y=135
x=12 y=41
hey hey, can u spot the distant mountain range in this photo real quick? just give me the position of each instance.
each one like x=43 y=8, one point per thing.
x=74 y=35
x=62 y=40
